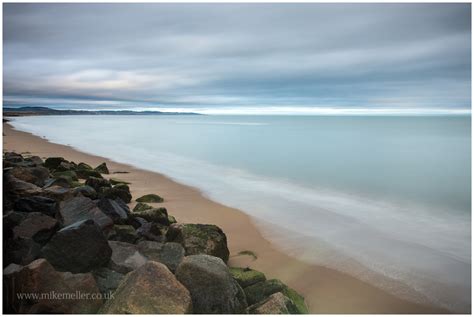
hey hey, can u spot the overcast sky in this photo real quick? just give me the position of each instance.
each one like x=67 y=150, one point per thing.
x=239 y=57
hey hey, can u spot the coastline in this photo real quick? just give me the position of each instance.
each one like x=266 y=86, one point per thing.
x=325 y=290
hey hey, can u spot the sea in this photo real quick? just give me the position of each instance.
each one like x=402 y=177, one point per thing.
x=386 y=199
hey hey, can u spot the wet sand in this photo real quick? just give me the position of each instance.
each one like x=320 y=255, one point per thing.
x=325 y=290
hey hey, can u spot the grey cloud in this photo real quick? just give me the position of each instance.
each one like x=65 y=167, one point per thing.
x=348 y=55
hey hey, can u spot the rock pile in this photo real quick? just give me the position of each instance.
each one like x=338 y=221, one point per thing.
x=72 y=245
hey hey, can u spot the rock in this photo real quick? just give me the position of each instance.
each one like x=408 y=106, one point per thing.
x=150 y=198
x=97 y=183
x=116 y=209
x=38 y=277
x=78 y=248
x=102 y=168
x=165 y=295
x=123 y=233
x=212 y=287
x=10 y=220
x=59 y=181
x=200 y=239
x=85 y=191
x=34 y=175
x=171 y=219
x=36 y=226
x=57 y=192
x=141 y=207
x=114 y=193
x=12 y=157
x=84 y=283
x=84 y=166
x=21 y=251
x=159 y=215
x=276 y=304
x=85 y=174
x=53 y=162
x=246 y=276
x=125 y=257
x=82 y=208
x=170 y=253
x=116 y=181
x=151 y=231
x=65 y=166
x=15 y=187
x=261 y=290
x=41 y=204
x=36 y=160
x=107 y=280
x=70 y=176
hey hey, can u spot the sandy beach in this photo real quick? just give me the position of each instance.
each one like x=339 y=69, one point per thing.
x=325 y=290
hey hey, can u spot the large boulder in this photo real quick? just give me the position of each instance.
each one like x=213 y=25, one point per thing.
x=36 y=226
x=200 y=239
x=15 y=187
x=38 y=278
x=149 y=198
x=141 y=207
x=41 y=204
x=170 y=253
x=158 y=215
x=34 y=175
x=261 y=290
x=151 y=289
x=212 y=287
x=246 y=276
x=275 y=304
x=70 y=176
x=84 y=283
x=116 y=209
x=53 y=162
x=59 y=181
x=125 y=257
x=78 y=248
x=82 y=208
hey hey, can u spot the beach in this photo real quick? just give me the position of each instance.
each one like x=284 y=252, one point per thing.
x=325 y=290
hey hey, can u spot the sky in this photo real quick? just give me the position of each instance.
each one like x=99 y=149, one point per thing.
x=239 y=58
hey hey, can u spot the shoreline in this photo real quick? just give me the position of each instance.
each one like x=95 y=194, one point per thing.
x=325 y=290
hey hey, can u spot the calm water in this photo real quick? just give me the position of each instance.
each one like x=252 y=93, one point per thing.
x=387 y=199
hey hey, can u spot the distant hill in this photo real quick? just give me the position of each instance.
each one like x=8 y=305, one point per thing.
x=44 y=111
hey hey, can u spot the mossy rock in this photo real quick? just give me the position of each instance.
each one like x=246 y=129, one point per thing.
x=115 y=181
x=171 y=219
x=159 y=215
x=261 y=290
x=75 y=184
x=102 y=168
x=124 y=233
x=200 y=239
x=53 y=162
x=150 y=198
x=246 y=276
x=113 y=193
x=85 y=173
x=84 y=166
x=141 y=207
x=122 y=187
x=69 y=175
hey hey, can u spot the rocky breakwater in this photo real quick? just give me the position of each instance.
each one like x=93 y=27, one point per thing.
x=72 y=245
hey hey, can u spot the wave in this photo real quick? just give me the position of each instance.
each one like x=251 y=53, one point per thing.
x=412 y=251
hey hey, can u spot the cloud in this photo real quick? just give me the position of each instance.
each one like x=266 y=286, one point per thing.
x=238 y=55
